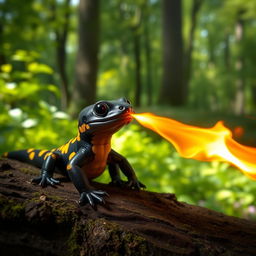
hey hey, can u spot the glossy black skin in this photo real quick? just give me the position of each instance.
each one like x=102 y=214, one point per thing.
x=75 y=158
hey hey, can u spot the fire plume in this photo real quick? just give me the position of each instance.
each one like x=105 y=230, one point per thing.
x=205 y=144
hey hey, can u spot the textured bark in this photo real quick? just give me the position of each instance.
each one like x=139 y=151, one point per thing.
x=36 y=221
x=87 y=56
x=172 y=90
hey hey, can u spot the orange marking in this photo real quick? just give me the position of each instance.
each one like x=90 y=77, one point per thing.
x=30 y=150
x=54 y=156
x=71 y=155
x=78 y=137
x=31 y=155
x=83 y=128
x=42 y=152
x=69 y=167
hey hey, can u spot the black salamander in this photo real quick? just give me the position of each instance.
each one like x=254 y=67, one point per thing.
x=86 y=156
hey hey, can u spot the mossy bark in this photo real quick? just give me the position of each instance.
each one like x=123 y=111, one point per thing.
x=36 y=221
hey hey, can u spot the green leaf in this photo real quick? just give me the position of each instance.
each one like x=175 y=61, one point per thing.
x=35 y=67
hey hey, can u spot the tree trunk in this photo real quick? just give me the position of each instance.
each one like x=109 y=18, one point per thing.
x=148 y=62
x=84 y=92
x=2 y=55
x=137 y=53
x=188 y=55
x=61 y=34
x=36 y=221
x=240 y=83
x=137 y=56
x=227 y=52
x=172 y=91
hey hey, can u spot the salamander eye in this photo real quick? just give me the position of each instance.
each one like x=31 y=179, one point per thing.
x=101 y=109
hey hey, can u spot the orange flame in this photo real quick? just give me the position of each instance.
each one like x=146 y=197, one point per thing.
x=205 y=144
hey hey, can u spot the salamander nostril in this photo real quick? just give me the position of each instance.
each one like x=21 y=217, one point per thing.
x=121 y=107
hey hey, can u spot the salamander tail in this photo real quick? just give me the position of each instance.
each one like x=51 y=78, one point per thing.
x=31 y=156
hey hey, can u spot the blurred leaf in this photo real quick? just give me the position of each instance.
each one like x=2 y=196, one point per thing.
x=35 y=67
x=6 y=68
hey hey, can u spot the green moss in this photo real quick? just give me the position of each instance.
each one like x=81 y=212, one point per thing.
x=10 y=209
x=28 y=171
x=75 y=240
x=98 y=237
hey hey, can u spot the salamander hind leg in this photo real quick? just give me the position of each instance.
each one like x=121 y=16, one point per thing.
x=46 y=177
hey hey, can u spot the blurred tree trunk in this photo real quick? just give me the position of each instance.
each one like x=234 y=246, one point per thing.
x=137 y=56
x=239 y=66
x=148 y=58
x=2 y=55
x=172 y=91
x=227 y=52
x=84 y=91
x=196 y=5
x=61 y=34
x=2 y=26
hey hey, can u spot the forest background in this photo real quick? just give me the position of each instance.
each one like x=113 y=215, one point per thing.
x=193 y=61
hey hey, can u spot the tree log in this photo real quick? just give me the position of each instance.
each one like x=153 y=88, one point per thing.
x=36 y=221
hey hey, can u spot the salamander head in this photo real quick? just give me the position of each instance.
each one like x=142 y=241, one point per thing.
x=105 y=117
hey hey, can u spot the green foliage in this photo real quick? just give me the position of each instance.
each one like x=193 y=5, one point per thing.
x=27 y=119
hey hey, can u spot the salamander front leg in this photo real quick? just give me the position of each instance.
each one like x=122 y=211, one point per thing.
x=87 y=193
x=116 y=160
x=114 y=172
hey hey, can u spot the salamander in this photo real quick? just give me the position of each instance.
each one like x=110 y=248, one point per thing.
x=86 y=156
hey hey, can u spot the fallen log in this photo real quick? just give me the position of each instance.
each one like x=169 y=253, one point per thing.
x=36 y=221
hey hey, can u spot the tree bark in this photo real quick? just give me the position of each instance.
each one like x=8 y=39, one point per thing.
x=87 y=57
x=172 y=90
x=36 y=221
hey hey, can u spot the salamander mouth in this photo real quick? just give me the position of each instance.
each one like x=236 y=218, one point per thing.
x=124 y=118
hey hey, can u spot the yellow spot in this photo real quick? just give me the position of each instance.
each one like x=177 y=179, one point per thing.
x=72 y=141
x=69 y=167
x=71 y=155
x=30 y=150
x=31 y=155
x=5 y=154
x=46 y=155
x=54 y=156
x=78 y=137
x=42 y=152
